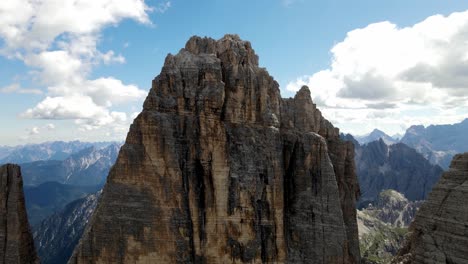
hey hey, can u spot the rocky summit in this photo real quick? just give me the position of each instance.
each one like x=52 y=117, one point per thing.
x=218 y=168
x=439 y=231
x=16 y=241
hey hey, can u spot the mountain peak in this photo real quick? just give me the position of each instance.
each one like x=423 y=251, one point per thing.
x=192 y=182
x=377 y=131
x=230 y=46
x=375 y=135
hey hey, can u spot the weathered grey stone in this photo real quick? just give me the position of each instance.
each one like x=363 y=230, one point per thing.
x=218 y=168
x=16 y=242
x=440 y=229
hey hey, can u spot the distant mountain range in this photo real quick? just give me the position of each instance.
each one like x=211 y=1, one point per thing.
x=51 y=184
x=56 y=150
x=57 y=236
x=438 y=143
x=397 y=166
x=5 y=151
x=60 y=184
x=376 y=135
x=89 y=166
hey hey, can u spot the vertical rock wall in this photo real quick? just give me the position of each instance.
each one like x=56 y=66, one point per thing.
x=218 y=168
x=16 y=242
x=439 y=232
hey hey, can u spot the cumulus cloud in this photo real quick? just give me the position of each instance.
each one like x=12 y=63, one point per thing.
x=384 y=75
x=80 y=108
x=37 y=23
x=34 y=131
x=368 y=86
x=58 y=41
x=16 y=88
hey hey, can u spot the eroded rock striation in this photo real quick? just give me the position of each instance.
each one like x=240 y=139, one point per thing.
x=218 y=168
x=439 y=231
x=16 y=242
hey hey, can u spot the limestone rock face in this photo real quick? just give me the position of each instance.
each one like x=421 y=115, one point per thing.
x=440 y=229
x=16 y=242
x=218 y=168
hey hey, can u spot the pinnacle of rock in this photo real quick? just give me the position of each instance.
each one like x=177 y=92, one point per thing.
x=16 y=242
x=218 y=168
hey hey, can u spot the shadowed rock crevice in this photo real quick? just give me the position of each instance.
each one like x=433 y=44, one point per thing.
x=229 y=172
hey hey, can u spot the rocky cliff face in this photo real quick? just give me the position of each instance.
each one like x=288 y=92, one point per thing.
x=16 y=243
x=218 y=168
x=439 y=231
x=379 y=241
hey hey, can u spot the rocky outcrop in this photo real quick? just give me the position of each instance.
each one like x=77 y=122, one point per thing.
x=58 y=235
x=16 y=242
x=379 y=241
x=393 y=208
x=439 y=231
x=218 y=168
x=384 y=225
x=397 y=167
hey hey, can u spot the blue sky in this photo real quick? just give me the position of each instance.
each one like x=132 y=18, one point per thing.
x=75 y=72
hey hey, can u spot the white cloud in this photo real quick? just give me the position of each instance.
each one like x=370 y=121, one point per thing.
x=37 y=23
x=58 y=40
x=70 y=107
x=82 y=109
x=108 y=91
x=50 y=126
x=34 y=131
x=16 y=88
x=385 y=76
x=163 y=7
